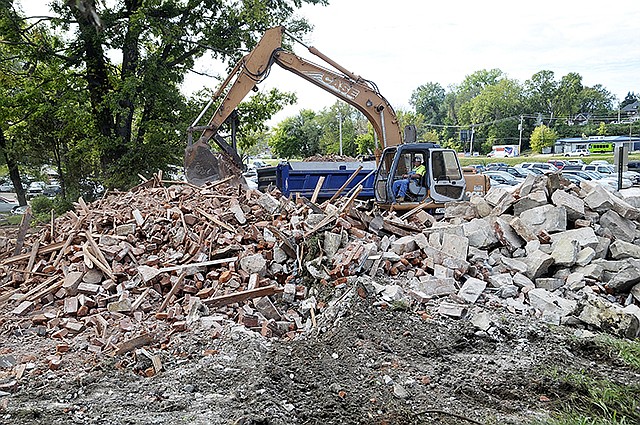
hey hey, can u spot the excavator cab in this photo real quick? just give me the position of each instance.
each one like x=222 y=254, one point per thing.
x=442 y=182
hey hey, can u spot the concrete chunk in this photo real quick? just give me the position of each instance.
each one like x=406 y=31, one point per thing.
x=620 y=227
x=472 y=289
x=565 y=252
x=620 y=249
x=546 y=218
x=538 y=263
x=532 y=200
x=573 y=204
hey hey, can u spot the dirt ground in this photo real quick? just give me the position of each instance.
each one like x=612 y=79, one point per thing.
x=363 y=363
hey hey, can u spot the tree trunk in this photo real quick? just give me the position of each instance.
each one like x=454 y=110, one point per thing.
x=14 y=173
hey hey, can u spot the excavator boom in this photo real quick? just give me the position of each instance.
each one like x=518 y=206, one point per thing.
x=201 y=165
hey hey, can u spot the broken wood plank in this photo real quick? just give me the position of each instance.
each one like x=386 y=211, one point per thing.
x=316 y=191
x=22 y=231
x=32 y=257
x=344 y=186
x=96 y=249
x=242 y=296
x=106 y=269
x=215 y=220
x=288 y=246
x=174 y=289
x=202 y=264
x=133 y=343
x=41 y=250
x=39 y=287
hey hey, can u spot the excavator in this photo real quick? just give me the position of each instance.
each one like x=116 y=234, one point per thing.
x=396 y=150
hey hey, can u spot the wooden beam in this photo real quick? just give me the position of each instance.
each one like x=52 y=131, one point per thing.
x=174 y=289
x=344 y=186
x=203 y=264
x=316 y=191
x=133 y=343
x=237 y=297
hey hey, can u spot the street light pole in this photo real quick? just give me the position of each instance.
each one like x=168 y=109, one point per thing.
x=520 y=138
x=340 y=127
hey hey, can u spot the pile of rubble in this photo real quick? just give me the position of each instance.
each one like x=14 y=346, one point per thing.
x=133 y=268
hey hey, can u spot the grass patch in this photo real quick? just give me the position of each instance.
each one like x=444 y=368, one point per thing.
x=628 y=351
x=583 y=400
x=592 y=401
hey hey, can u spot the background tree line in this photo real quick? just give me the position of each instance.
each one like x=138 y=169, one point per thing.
x=94 y=91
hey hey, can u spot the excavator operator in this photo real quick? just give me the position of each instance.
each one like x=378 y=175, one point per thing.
x=400 y=186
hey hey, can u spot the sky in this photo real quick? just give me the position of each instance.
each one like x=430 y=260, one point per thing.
x=403 y=44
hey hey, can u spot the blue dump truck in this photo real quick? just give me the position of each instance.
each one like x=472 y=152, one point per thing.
x=293 y=178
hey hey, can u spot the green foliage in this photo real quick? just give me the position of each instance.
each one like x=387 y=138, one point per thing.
x=593 y=401
x=428 y=101
x=297 y=137
x=626 y=350
x=542 y=137
x=41 y=206
x=93 y=118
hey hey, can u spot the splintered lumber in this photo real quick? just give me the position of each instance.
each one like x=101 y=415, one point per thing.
x=174 y=289
x=203 y=264
x=133 y=343
x=215 y=220
x=38 y=288
x=241 y=296
x=316 y=191
x=32 y=257
x=22 y=231
x=41 y=250
x=288 y=246
x=343 y=187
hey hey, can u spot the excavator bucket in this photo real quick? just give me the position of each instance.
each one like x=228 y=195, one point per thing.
x=201 y=165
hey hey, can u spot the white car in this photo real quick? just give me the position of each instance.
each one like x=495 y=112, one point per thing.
x=611 y=171
x=595 y=177
x=545 y=167
x=578 y=152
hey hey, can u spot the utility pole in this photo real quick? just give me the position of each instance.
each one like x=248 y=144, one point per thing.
x=520 y=138
x=471 y=142
x=340 y=129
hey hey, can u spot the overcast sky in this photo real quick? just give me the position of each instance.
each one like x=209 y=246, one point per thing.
x=402 y=44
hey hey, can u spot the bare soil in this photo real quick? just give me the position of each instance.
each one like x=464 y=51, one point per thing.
x=363 y=363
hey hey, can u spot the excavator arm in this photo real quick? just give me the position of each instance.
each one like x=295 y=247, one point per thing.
x=200 y=163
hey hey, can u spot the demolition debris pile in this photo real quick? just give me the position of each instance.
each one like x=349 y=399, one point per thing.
x=134 y=268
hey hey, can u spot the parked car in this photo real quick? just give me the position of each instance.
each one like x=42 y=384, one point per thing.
x=51 y=190
x=545 y=167
x=574 y=162
x=6 y=187
x=495 y=165
x=578 y=152
x=7 y=205
x=558 y=163
x=520 y=173
x=632 y=165
x=502 y=177
x=595 y=177
x=610 y=171
x=35 y=189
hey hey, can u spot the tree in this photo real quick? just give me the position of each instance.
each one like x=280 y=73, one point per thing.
x=136 y=106
x=630 y=98
x=297 y=137
x=568 y=99
x=428 y=100
x=541 y=92
x=596 y=100
x=542 y=137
